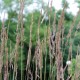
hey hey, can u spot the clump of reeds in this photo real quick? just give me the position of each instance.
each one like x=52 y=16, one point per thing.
x=19 y=39
x=29 y=51
x=59 y=56
x=38 y=54
x=51 y=46
x=2 y=48
x=6 y=61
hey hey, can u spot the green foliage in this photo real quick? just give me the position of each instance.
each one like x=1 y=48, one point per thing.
x=72 y=68
x=63 y=3
x=77 y=39
x=34 y=28
x=78 y=1
x=7 y=3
